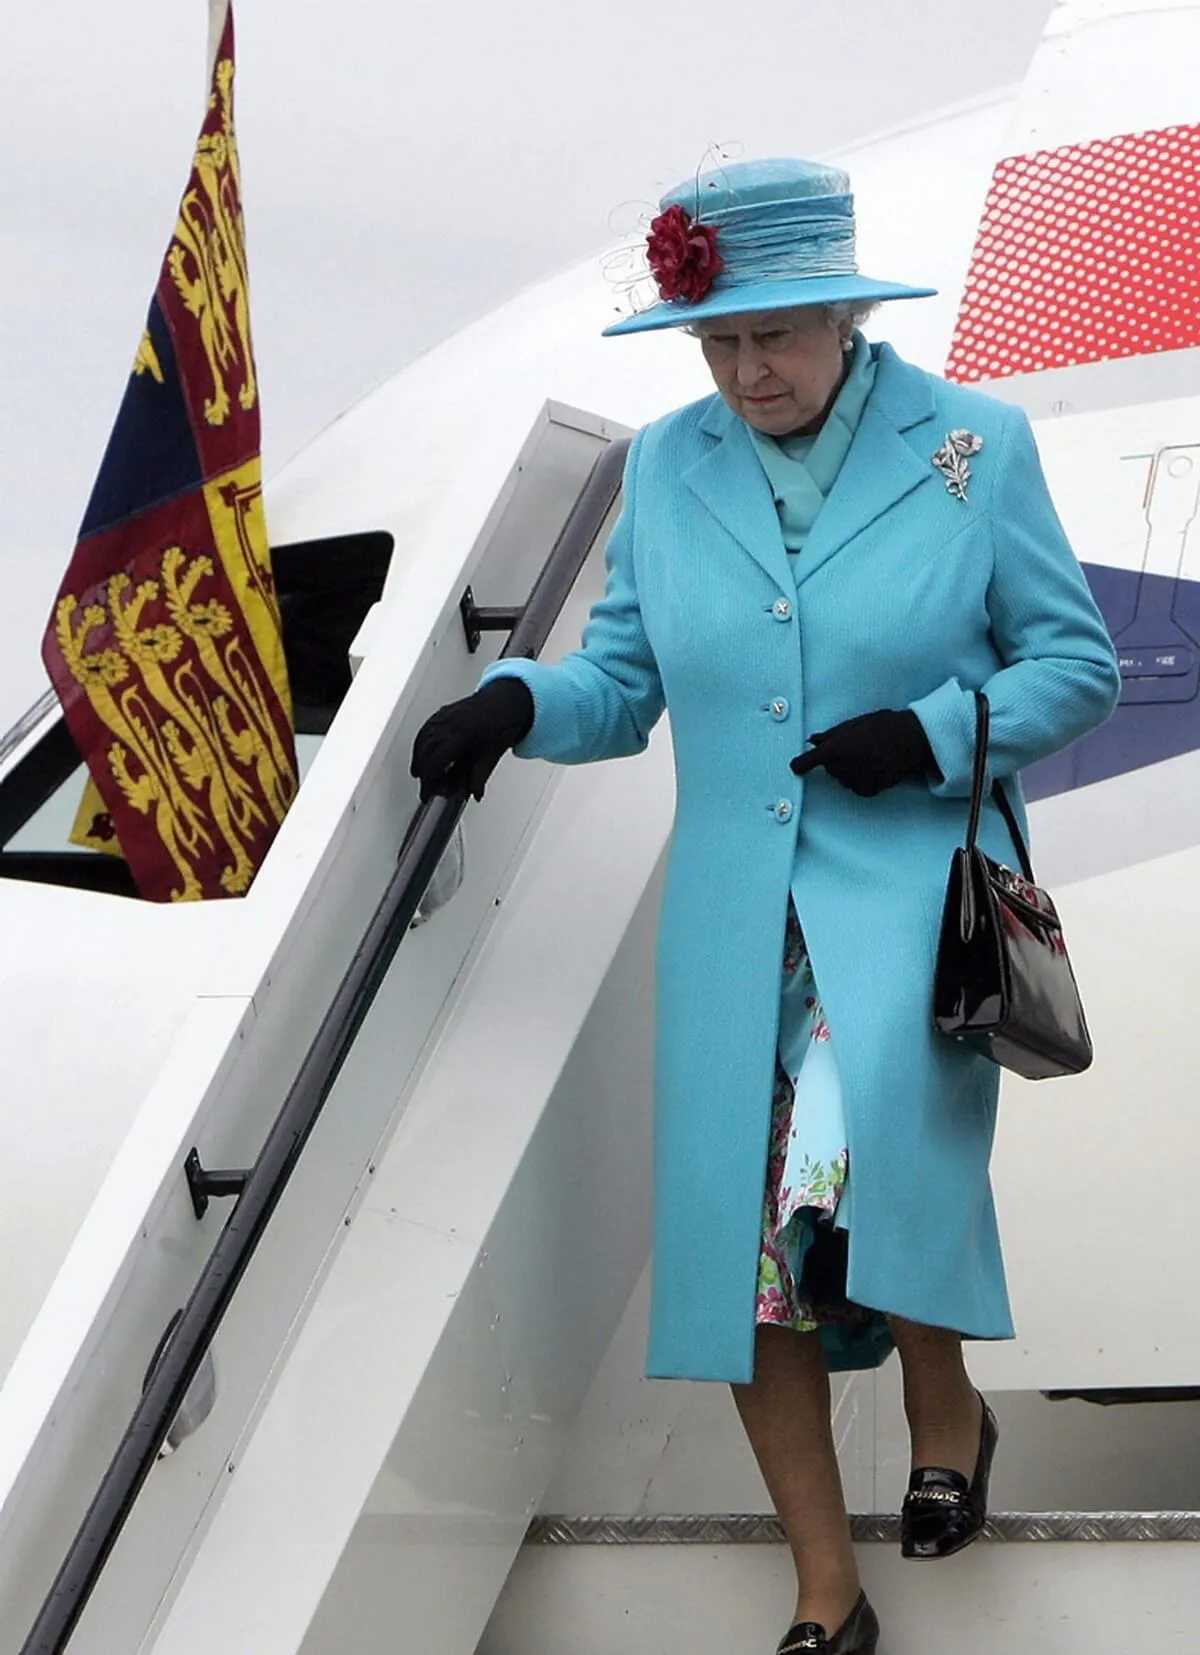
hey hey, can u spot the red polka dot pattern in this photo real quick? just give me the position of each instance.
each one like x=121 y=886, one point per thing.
x=1084 y=254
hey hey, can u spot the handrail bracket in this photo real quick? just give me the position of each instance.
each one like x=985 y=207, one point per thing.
x=477 y=621
x=204 y=1185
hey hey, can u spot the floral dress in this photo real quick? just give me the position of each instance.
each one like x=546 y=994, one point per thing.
x=806 y=1208
x=808 y=1161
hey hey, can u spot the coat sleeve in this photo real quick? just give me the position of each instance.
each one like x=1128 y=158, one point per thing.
x=602 y=701
x=1059 y=677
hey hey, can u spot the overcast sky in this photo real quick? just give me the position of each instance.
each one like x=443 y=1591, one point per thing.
x=407 y=165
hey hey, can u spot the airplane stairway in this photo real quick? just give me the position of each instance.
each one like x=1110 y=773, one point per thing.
x=417 y=1279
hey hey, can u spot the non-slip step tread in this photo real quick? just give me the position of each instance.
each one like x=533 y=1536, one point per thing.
x=741 y=1529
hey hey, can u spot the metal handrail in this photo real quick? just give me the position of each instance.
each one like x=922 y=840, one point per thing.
x=427 y=838
x=28 y=721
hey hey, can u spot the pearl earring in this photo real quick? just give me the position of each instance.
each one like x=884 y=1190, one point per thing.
x=847 y=346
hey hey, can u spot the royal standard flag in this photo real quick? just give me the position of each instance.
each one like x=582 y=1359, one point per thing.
x=165 y=646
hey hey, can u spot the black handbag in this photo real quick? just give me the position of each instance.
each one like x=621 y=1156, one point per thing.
x=1004 y=983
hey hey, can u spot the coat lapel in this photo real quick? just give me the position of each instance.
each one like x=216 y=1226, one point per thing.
x=732 y=484
x=886 y=461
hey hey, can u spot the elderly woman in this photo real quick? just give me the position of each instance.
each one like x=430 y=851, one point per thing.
x=813 y=579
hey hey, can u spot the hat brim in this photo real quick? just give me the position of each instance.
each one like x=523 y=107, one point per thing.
x=735 y=301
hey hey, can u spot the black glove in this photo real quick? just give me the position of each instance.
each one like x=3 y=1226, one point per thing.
x=458 y=748
x=871 y=753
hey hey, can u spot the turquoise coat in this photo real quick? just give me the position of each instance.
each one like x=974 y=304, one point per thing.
x=903 y=596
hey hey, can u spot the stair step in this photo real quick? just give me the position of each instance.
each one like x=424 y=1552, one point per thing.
x=1113 y=1583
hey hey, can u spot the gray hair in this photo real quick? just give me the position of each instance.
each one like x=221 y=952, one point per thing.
x=846 y=310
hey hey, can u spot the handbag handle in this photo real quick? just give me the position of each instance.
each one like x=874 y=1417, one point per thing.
x=978 y=781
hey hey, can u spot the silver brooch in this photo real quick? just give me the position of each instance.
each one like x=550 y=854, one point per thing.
x=951 y=460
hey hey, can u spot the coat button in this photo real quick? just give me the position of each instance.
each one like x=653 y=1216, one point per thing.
x=781 y=609
x=780 y=708
x=783 y=810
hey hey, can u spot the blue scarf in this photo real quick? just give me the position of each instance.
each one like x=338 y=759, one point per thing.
x=802 y=470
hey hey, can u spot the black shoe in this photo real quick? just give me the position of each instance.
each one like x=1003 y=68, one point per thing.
x=857 y=1635
x=942 y=1512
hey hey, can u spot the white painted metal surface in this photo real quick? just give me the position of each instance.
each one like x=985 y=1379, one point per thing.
x=1057 y=1599
x=425 y=1404
x=243 y=1030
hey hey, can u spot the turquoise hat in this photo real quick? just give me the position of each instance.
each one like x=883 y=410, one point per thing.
x=756 y=235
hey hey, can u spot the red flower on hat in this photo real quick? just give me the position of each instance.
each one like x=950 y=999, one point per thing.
x=682 y=255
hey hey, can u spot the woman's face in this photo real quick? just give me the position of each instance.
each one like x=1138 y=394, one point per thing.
x=777 y=369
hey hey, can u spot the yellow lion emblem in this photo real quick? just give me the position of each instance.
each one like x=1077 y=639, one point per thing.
x=207 y=260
